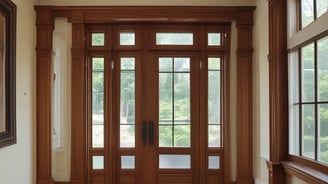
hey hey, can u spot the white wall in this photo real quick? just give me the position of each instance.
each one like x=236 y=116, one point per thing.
x=17 y=162
x=261 y=93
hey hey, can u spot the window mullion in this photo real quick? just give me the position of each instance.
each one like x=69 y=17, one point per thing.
x=316 y=100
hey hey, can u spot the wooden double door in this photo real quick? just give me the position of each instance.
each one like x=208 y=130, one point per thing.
x=156 y=103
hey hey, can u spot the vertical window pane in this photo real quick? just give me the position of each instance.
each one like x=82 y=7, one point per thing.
x=214 y=103
x=323 y=133
x=322 y=7
x=214 y=162
x=214 y=136
x=97 y=162
x=165 y=136
x=182 y=97
x=174 y=102
x=97 y=102
x=165 y=98
x=214 y=97
x=127 y=102
x=127 y=38
x=307 y=12
x=308 y=131
x=98 y=39
x=182 y=136
x=322 y=50
x=174 y=39
x=308 y=73
x=214 y=39
x=174 y=161
x=127 y=162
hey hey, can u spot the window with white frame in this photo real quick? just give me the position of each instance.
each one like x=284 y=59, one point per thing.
x=308 y=80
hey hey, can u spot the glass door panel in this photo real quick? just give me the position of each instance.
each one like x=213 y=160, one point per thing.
x=174 y=101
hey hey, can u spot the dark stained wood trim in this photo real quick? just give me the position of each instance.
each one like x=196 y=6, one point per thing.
x=79 y=108
x=80 y=15
x=278 y=77
x=244 y=97
x=44 y=26
x=305 y=173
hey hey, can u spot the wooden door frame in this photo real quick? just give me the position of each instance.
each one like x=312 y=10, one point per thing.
x=79 y=16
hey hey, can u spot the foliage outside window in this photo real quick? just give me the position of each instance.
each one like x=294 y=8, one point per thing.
x=309 y=108
x=311 y=10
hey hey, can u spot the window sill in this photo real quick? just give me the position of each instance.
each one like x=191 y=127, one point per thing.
x=305 y=173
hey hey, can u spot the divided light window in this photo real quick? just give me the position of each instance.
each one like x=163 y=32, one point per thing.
x=311 y=107
x=311 y=10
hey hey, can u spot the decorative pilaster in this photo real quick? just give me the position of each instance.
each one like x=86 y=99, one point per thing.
x=278 y=76
x=79 y=107
x=44 y=72
x=244 y=96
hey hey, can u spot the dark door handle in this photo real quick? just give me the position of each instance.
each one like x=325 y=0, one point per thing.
x=151 y=133
x=144 y=132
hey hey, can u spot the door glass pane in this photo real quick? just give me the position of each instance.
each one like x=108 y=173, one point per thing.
x=174 y=39
x=182 y=136
x=213 y=102
x=307 y=12
x=127 y=38
x=97 y=162
x=127 y=102
x=213 y=39
x=308 y=73
x=165 y=136
x=323 y=133
x=174 y=161
x=97 y=102
x=322 y=7
x=127 y=162
x=97 y=39
x=214 y=136
x=174 y=102
x=214 y=162
x=308 y=131
x=323 y=69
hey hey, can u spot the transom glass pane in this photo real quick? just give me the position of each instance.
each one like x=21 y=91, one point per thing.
x=174 y=161
x=214 y=39
x=308 y=78
x=174 y=102
x=98 y=39
x=127 y=38
x=127 y=103
x=174 y=39
x=97 y=102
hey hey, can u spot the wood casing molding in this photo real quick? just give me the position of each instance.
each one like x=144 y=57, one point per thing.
x=79 y=16
x=278 y=86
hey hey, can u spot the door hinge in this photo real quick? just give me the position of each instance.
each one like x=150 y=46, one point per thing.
x=112 y=65
x=200 y=64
